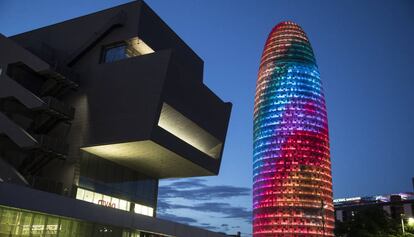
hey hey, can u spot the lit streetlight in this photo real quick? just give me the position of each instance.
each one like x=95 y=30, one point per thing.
x=410 y=221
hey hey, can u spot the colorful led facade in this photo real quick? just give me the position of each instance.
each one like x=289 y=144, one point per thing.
x=292 y=183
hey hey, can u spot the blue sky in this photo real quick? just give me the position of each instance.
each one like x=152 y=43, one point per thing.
x=364 y=51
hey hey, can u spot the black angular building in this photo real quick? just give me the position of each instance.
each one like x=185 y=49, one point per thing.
x=93 y=112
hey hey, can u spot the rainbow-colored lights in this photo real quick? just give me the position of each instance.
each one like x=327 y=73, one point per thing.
x=292 y=183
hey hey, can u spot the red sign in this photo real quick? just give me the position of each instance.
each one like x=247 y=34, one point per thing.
x=106 y=204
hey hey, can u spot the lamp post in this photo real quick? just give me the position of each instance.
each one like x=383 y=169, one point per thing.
x=402 y=224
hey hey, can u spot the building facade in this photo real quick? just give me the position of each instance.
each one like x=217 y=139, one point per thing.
x=292 y=184
x=94 y=111
x=397 y=206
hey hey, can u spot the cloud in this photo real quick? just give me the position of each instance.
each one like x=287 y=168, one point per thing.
x=226 y=209
x=189 y=183
x=163 y=206
x=222 y=208
x=191 y=221
x=196 y=189
x=209 y=226
x=197 y=196
x=172 y=217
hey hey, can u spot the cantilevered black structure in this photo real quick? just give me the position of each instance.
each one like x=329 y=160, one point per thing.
x=99 y=108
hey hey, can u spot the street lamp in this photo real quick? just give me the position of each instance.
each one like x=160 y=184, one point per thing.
x=402 y=224
x=410 y=222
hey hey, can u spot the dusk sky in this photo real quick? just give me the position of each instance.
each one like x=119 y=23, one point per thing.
x=365 y=54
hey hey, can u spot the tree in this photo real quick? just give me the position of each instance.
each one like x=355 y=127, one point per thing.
x=369 y=222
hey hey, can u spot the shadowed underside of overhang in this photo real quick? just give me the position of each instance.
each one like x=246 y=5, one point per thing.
x=188 y=131
x=148 y=157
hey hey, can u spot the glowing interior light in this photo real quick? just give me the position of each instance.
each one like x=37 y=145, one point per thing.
x=143 y=210
x=140 y=46
x=112 y=202
x=292 y=184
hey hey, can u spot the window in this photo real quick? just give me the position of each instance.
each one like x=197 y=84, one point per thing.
x=52 y=226
x=143 y=210
x=38 y=225
x=88 y=196
x=114 y=53
x=103 y=200
x=129 y=48
x=19 y=223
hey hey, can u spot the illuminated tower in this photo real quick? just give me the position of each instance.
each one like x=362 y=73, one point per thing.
x=292 y=183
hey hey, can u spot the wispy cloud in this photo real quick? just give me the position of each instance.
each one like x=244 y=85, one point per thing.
x=228 y=210
x=196 y=189
x=172 y=217
x=201 y=197
x=224 y=209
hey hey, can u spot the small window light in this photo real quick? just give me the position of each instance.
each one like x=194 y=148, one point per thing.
x=129 y=48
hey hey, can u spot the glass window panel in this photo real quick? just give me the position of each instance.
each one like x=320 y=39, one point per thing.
x=25 y=223
x=75 y=229
x=85 y=229
x=107 y=199
x=80 y=193
x=115 y=201
x=137 y=209
x=150 y=211
x=123 y=205
x=8 y=222
x=115 y=53
x=38 y=225
x=97 y=198
x=128 y=206
x=143 y=210
x=146 y=211
x=88 y=196
x=65 y=229
x=52 y=226
x=104 y=200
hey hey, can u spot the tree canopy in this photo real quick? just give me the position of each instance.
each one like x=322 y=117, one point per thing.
x=371 y=222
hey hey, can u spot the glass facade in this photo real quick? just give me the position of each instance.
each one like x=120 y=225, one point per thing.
x=17 y=222
x=113 y=202
x=103 y=200
x=21 y=223
x=292 y=184
x=105 y=177
x=143 y=210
